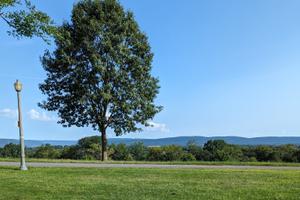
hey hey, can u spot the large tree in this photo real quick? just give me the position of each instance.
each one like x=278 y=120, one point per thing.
x=100 y=73
x=25 y=20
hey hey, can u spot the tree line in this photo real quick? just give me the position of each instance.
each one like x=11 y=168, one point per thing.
x=89 y=148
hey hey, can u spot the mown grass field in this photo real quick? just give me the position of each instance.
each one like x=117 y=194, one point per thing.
x=156 y=162
x=160 y=184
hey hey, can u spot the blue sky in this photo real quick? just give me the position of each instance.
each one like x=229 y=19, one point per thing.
x=226 y=68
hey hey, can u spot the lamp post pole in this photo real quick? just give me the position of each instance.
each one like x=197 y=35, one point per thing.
x=18 y=88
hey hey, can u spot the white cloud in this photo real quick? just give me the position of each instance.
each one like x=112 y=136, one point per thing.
x=40 y=116
x=158 y=127
x=9 y=113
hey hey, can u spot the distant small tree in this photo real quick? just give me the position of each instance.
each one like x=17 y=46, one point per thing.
x=47 y=151
x=87 y=142
x=91 y=152
x=214 y=150
x=138 y=151
x=172 y=152
x=188 y=157
x=121 y=152
x=155 y=154
x=195 y=150
x=297 y=155
x=166 y=153
x=219 y=150
x=287 y=153
x=264 y=153
x=25 y=20
x=11 y=151
x=100 y=73
x=71 y=152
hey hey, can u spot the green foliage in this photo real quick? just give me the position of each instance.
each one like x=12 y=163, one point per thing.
x=188 y=157
x=10 y=151
x=93 y=152
x=165 y=153
x=90 y=153
x=88 y=142
x=172 y=152
x=47 y=151
x=265 y=153
x=297 y=155
x=138 y=151
x=121 y=152
x=88 y=148
x=155 y=154
x=195 y=150
x=218 y=150
x=287 y=153
x=70 y=152
x=25 y=20
x=100 y=73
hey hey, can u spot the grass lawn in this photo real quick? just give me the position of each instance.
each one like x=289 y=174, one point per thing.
x=160 y=184
x=156 y=162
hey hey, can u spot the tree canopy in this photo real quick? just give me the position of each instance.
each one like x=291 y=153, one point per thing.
x=25 y=20
x=100 y=73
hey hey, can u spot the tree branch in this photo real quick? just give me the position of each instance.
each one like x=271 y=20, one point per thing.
x=6 y=20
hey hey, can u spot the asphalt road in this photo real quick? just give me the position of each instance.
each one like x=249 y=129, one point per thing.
x=106 y=165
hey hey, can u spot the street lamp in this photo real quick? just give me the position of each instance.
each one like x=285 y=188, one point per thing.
x=18 y=88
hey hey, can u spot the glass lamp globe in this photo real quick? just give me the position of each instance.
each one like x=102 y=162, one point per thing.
x=18 y=86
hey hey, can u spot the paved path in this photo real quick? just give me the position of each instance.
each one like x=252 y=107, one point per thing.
x=106 y=165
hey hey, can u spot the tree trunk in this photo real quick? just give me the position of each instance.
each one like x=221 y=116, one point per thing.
x=104 y=146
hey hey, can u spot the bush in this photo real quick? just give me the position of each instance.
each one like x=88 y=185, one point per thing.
x=87 y=142
x=70 y=152
x=78 y=152
x=218 y=150
x=47 y=151
x=155 y=154
x=297 y=155
x=252 y=159
x=188 y=157
x=165 y=153
x=288 y=153
x=121 y=152
x=195 y=150
x=172 y=153
x=11 y=151
x=264 y=153
x=138 y=151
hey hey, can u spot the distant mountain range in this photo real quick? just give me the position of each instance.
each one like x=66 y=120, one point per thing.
x=35 y=143
x=168 y=141
x=202 y=140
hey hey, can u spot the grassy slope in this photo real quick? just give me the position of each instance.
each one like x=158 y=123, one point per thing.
x=133 y=184
x=162 y=163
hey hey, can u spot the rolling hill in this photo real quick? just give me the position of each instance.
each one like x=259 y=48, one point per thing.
x=168 y=141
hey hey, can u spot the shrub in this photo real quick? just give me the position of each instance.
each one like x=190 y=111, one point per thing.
x=188 y=157
x=264 y=153
x=155 y=154
x=121 y=152
x=138 y=151
x=172 y=153
x=47 y=151
x=165 y=153
x=219 y=150
x=86 y=142
x=11 y=150
x=195 y=150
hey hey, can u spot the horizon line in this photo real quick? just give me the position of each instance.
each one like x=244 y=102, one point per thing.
x=155 y=138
